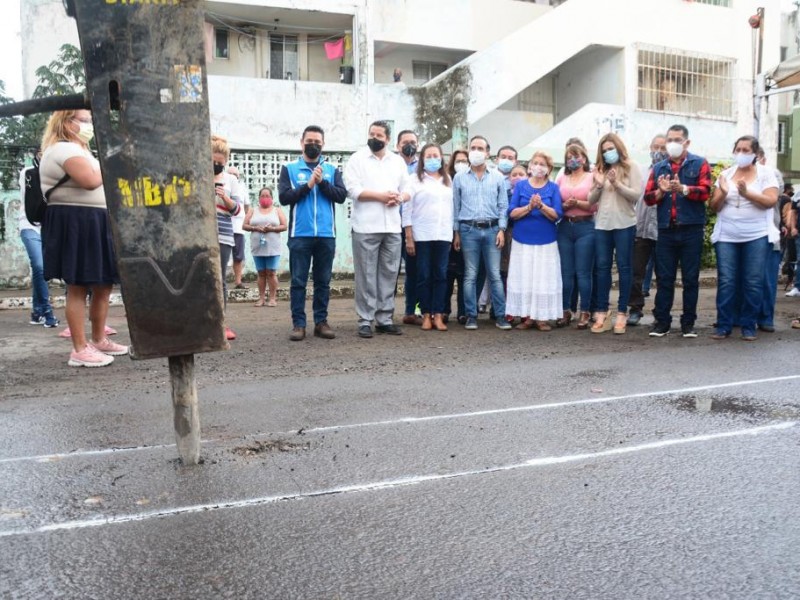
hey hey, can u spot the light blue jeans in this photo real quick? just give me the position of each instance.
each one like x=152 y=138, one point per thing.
x=476 y=244
x=41 y=294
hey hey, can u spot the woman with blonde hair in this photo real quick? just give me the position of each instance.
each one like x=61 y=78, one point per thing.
x=617 y=187
x=228 y=204
x=534 y=270
x=76 y=234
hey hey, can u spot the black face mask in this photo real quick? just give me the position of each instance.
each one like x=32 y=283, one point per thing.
x=218 y=168
x=409 y=149
x=312 y=151
x=375 y=144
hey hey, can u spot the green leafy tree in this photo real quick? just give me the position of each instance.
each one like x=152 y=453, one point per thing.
x=20 y=136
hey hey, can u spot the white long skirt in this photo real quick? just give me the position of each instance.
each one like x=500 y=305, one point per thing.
x=534 y=282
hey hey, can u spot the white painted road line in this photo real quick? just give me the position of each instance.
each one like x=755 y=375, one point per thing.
x=445 y=417
x=391 y=483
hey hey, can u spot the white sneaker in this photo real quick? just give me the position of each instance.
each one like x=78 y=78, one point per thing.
x=793 y=293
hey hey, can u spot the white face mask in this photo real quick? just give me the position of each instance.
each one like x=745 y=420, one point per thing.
x=674 y=149
x=86 y=132
x=461 y=167
x=477 y=157
x=538 y=171
x=744 y=160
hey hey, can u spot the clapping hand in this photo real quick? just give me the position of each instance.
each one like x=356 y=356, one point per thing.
x=741 y=186
x=675 y=185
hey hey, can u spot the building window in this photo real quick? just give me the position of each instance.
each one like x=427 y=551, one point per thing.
x=425 y=71
x=782 y=137
x=685 y=83
x=221 y=43
x=726 y=3
x=283 y=63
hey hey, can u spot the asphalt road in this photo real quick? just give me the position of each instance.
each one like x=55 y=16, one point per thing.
x=432 y=465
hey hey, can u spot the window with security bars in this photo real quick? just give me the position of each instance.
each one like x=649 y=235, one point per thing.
x=726 y=3
x=685 y=83
x=425 y=71
x=262 y=169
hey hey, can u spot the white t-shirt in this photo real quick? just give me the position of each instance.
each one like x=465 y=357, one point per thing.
x=240 y=191
x=741 y=220
x=23 y=220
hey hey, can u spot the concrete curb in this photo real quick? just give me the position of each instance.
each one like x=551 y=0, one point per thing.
x=344 y=289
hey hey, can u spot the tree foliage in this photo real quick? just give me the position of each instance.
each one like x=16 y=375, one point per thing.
x=20 y=136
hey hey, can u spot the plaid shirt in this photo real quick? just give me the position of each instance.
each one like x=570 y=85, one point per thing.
x=696 y=193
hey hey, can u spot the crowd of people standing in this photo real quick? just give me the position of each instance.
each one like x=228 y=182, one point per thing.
x=544 y=245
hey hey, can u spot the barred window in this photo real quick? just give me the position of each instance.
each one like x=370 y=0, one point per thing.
x=726 y=3
x=685 y=83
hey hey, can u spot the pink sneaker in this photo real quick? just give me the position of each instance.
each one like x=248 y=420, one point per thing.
x=108 y=331
x=230 y=334
x=89 y=357
x=108 y=347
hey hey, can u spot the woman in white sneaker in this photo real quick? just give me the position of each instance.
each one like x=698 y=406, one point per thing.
x=76 y=234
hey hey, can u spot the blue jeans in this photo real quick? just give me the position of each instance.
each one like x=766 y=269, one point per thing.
x=742 y=262
x=576 y=250
x=682 y=245
x=766 y=315
x=302 y=251
x=606 y=243
x=476 y=244
x=431 y=261
x=41 y=294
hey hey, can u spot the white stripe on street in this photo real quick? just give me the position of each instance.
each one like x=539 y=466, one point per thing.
x=391 y=483
x=445 y=417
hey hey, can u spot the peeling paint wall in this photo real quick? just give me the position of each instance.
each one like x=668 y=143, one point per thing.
x=15 y=270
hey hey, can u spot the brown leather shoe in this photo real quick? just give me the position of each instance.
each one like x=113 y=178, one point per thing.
x=412 y=320
x=427 y=324
x=323 y=330
x=439 y=324
x=298 y=333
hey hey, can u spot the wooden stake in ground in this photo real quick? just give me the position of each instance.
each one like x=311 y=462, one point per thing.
x=186 y=414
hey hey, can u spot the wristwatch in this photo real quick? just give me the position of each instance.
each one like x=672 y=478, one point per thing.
x=685 y=190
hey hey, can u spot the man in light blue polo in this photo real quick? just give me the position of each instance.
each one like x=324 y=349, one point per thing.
x=480 y=203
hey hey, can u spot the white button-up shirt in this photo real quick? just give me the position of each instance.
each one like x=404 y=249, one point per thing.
x=365 y=171
x=430 y=210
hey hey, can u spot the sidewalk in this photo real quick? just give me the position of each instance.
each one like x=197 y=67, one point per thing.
x=340 y=288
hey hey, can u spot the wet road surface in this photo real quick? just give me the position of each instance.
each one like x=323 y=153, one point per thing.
x=460 y=465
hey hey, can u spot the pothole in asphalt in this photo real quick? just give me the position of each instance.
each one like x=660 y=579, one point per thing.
x=596 y=373
x=258 y=447
x=736 y=406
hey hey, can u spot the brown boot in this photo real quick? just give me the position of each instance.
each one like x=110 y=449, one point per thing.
x=323 y=330
x=426 y=322
x=438 y=322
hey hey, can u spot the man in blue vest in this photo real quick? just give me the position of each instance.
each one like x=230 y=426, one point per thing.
x=311 y=187
x=679 y=186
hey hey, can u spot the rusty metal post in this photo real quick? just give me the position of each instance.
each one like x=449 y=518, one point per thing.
x=186 y=414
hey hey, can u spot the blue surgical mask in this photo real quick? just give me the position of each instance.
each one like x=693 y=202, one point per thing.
x=611 y=157
x=432 y=164
x=505 y=165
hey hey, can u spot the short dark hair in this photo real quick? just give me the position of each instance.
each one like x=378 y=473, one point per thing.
x=405 y=131
x=681 y=128
x=313 y=129
x=574 y=141
x=757 y=151
x=382 y=124
x=514 y=150
x=480 y=137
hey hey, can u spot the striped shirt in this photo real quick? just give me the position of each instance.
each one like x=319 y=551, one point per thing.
x=224 y=216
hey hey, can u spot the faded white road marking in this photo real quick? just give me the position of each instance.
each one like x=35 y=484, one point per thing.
x=444 y=417
x=391 y=483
